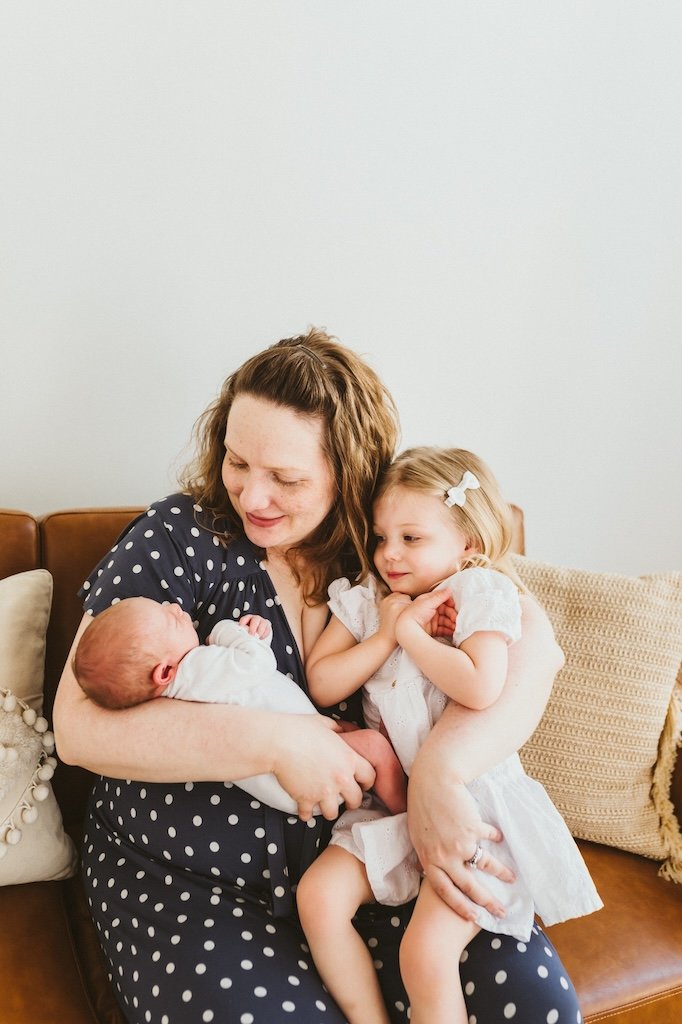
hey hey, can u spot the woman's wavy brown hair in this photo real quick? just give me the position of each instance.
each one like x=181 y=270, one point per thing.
x=315 y=375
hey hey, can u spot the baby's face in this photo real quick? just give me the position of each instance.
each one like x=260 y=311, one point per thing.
x=171 y=629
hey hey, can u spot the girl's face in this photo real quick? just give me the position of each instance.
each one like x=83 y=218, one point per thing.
x=276 y=473
x=418 y=544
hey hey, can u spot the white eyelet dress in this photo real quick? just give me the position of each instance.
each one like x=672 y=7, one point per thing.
x=552 y=879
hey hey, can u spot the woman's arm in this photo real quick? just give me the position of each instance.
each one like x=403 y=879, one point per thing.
x=177 y=741
x=443 y=819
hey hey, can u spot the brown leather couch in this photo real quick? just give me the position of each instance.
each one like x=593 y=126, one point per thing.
x=626 y=960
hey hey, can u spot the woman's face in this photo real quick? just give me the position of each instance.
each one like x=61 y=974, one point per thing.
x=275 y=472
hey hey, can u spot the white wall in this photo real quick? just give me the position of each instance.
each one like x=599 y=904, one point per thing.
x=482 y=197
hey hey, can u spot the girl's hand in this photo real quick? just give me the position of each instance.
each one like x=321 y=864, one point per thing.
x=256 y=625
x=390 y=609
x=446 y=829
x=445 y=617
x=433 y=612
x=315 y=766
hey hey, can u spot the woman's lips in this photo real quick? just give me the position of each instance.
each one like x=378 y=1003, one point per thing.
x=264 y=524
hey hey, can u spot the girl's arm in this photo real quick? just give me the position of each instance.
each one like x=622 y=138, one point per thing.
x=313 y=623
x=472 y=674
x=338 y=664
x=444 y=822
x=178 y=741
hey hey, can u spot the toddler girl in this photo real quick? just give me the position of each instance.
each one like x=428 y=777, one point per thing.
x=442 y=535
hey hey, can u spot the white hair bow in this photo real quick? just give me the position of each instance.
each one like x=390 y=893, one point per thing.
x=456 y=495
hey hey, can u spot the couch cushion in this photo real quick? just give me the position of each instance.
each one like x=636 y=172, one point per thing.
x=626 y=961
x=605 y=748
x=40 y=979
x=19 y=542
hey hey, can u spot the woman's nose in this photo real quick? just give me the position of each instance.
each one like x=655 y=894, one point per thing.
x=254 y=493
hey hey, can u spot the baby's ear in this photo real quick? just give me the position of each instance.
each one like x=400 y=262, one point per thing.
x=162 y=675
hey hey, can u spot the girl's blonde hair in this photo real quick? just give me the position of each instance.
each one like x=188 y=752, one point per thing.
x=316 y=376
x=485 y=518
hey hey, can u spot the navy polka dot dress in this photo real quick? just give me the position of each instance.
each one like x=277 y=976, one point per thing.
x=191 y=886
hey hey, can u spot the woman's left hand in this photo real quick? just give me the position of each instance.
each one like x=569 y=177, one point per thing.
x=446 y=830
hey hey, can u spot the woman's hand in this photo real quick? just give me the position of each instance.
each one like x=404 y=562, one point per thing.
x=446 y=830
x=315 y=766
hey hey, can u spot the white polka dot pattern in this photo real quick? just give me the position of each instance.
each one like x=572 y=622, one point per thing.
x=190 y=885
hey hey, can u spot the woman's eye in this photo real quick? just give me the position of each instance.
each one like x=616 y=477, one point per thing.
x=286 y=483
x=236 y=465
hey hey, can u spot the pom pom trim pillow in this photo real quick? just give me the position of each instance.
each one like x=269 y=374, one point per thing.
x=33 y=844
x=605 y=749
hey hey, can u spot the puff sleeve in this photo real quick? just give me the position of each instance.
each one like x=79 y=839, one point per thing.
x=355 y=605
x=485 y=600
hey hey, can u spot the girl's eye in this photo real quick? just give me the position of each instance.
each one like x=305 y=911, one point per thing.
x=378 y=539
x=409 y=539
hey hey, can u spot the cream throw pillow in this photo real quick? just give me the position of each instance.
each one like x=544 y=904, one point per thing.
x=33 y=844
x=606 y=746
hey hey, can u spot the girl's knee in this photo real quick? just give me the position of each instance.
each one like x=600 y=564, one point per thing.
x=326 y=892
x=311 y=893
x=431 y=948
x=421 y=966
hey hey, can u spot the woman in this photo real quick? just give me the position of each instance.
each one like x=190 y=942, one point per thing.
x=190 y=883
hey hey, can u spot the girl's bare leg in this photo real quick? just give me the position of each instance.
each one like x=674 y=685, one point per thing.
x=328 y=896
x=435 y=938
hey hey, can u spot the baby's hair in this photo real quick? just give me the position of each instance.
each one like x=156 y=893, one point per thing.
x=113 y=659
x=485 y=518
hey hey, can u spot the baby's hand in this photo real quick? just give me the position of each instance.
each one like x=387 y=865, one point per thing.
x=390 y=609
x=256 y=625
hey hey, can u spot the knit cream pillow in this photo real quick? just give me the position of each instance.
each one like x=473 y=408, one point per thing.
x=606 y=746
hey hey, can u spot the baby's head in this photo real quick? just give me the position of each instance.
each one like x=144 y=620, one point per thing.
x=452 y=494
x=131 y=651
